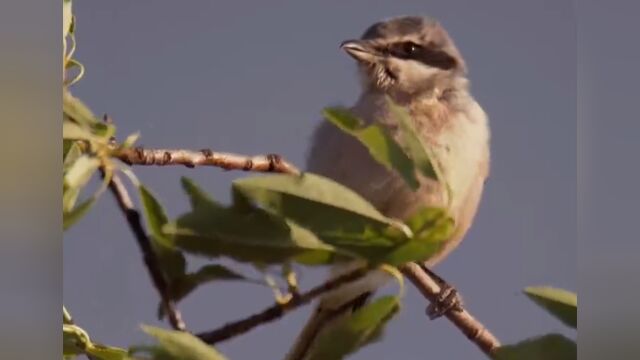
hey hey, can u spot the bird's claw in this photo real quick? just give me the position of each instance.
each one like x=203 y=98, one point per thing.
x=447 y=300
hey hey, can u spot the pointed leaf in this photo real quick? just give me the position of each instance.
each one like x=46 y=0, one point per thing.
x=101 y=352
x=548 y=347
x=352 y=332
x=66 y=17
x=76 y=110
x=172 y=261
x=560 y=303
x=336 y=214
x=251 y=235
x=182 y=345
x=71 y=217
x=189 y=282
x=381 y=145
x=418 y=151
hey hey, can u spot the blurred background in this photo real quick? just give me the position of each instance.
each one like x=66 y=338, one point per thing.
x=252 y=78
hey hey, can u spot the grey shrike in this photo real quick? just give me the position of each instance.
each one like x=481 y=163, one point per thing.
x=414 y=62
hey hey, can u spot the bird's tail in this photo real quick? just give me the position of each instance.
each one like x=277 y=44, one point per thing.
x=334 y=305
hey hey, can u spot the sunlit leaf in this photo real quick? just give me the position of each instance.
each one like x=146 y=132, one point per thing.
x=102 y=352
x=66 y=17
x=81 y=171
x=560 y=303
x=76 y=110
x=350 y=333
x=73 y=131
x=76 y=341
x=333 y=212
x=431 y=227
x=381 y=145
x=130 y=140
x=548 y=347
x=182 y=345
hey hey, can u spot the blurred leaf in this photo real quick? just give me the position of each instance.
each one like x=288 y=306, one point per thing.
x=189 y=282
x=250 y=235
x=66 y=17
x=71 y=151
x=353 y=332
x=130 y=140
x=69 y=198
x=171 y=260
x=71 y=217
x=560 y=303
x=333 y=212
x=548 y=347
x=73 y=131
x=182 y=345
x=77 y=111
x=81 y=171
x=98 y=351
x=381 y=145
x=76 y=342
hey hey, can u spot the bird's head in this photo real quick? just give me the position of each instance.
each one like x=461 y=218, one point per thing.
x=406 y=55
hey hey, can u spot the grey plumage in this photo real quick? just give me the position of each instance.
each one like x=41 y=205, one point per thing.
x=414 y=61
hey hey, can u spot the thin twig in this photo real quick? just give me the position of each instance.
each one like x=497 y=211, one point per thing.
x=150 y=258
x=205 y=157
x=277 y=310
x=467 y=324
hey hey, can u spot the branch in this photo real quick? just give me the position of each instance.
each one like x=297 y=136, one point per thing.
x=465 y=322
x=150 y=258
x=205 y=157
x=277 y=310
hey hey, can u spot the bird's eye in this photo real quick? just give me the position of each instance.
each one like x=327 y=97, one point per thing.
x=409 y=48
x=405 y=50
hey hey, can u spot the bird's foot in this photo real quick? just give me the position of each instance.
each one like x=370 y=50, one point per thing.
x=447 y=300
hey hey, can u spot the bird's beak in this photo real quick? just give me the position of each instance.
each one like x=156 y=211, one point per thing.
x=360 y=50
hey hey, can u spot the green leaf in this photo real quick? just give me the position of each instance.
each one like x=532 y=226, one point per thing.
x=548 y=347
x=71 y=217
x=81 y=171
x=352 y=332
x=431 y=227
x=76 y=342
x=76 y=110
x=189 y=282
x=182 y=345
x=172 y=261
x=131 y=140
x=250 y=235
x=560 y=303
x=417 y=149
x=381 y=145
x=71 y=151
x=98 y=351
x=73 y=131
x=333 y=212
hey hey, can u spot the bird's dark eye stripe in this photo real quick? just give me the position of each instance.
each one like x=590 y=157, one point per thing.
x=426 y=55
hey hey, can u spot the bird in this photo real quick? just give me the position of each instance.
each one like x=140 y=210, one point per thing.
x=413 y=61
